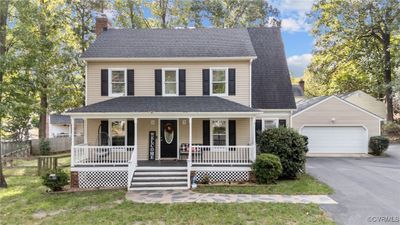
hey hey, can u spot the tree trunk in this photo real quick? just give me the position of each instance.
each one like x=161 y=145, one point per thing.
x=3 y=30
x=388 y=78
x=43 y=114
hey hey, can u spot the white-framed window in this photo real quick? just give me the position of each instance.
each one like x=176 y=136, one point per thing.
x=219 y=132
x=116 y=82
x=170 y=82
x=117 y=131
x=218 y=81
x=269 y=123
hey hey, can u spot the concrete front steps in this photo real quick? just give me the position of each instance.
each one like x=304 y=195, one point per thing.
x=159 y=178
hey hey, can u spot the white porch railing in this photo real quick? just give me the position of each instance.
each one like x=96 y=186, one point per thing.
x=101 y=155
x=222 y=155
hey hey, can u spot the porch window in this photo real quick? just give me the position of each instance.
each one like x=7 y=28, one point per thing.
x=170 y=82
x=117 y=85
x=270 y=123
x=118 y=132
x=219 y=135
x=219 y=79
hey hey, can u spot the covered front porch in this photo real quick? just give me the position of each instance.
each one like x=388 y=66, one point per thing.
x=162 y=142
x=199 y=141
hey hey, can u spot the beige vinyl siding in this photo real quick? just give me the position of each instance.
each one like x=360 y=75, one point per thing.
x=343 y=113
x=144 y=78
x=368 y=103
x=144 y=127
x=93 y=126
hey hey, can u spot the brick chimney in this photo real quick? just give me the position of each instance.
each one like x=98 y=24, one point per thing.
x=102 y=24
x=301 y=84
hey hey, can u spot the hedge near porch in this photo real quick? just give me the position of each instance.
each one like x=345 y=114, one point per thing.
x=288 y=145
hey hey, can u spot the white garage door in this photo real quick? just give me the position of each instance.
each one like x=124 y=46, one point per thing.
x=336 y=139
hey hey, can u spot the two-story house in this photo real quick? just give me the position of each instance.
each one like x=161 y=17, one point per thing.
x=164 y=105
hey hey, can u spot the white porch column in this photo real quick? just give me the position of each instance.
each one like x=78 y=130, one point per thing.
x=135 y=151
x=190 y=141
x=253 y=136
x=72 y=141
x=190 y=154
x=85 y=131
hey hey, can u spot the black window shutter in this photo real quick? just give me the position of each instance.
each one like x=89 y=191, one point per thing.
x=104 y=132
x=232 y=132
x=131 y=132
x=158 y=82
x=182 y=82
x=104 y=82
x=206 y=82
x=131 y=82
x=258 y=128
x=232 y=81
x=206 y=132
x=282 y=123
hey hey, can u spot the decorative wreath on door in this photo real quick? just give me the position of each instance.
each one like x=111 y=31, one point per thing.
x=169 y=132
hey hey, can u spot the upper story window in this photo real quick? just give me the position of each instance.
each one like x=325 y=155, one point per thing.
x=219 y=81
x=117 y=82
x=219 y=132
x=170 y=82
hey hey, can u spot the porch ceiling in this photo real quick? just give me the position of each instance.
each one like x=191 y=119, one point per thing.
x=159 y=104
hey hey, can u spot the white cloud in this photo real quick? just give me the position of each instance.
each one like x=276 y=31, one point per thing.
x=293 y=14
x=298 y=63
x=299 y=6
x=294 y=25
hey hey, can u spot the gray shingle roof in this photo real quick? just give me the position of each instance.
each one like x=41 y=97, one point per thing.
x=305 y=103
x=59 y=119
x=144 y=43
x=297 y=90
x=164 y=104
x=271 y=85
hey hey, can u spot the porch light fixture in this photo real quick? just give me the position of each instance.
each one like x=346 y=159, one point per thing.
x=333 y=120
x=183 y=122
x=152 y=122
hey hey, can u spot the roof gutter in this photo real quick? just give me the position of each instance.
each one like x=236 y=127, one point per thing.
x=167 y=59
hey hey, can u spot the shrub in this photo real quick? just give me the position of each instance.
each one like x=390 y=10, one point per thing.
x=204 y=180
x=289 y=146
x=57 y=182
x=391 y=129
x=267 y=168
x=44 y=146
x=378 y=144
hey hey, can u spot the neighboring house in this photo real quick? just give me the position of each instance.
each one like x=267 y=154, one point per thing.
x=60 y=126
x=298 y=91
x=164 y=104
x=335 y=125
x=366 y=102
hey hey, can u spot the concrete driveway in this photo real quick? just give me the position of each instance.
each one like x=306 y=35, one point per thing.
x=367 y=189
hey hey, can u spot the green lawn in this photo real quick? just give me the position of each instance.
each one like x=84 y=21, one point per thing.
x=26 y=202
x=305 y=184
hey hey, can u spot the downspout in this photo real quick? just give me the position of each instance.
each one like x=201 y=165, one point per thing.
x=250 y=85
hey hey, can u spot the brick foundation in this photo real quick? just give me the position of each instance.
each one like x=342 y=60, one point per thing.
x=74 y=179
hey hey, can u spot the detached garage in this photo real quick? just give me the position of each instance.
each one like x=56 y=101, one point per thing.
x=335 y=126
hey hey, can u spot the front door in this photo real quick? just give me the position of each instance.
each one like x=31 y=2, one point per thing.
x=168 y=138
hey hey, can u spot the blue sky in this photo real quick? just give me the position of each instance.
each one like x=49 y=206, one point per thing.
x=295 y=32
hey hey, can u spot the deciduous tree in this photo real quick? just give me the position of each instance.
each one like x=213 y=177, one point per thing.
x=359 y=33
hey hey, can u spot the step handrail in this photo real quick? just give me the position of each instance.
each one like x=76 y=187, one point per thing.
x=132 y=164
